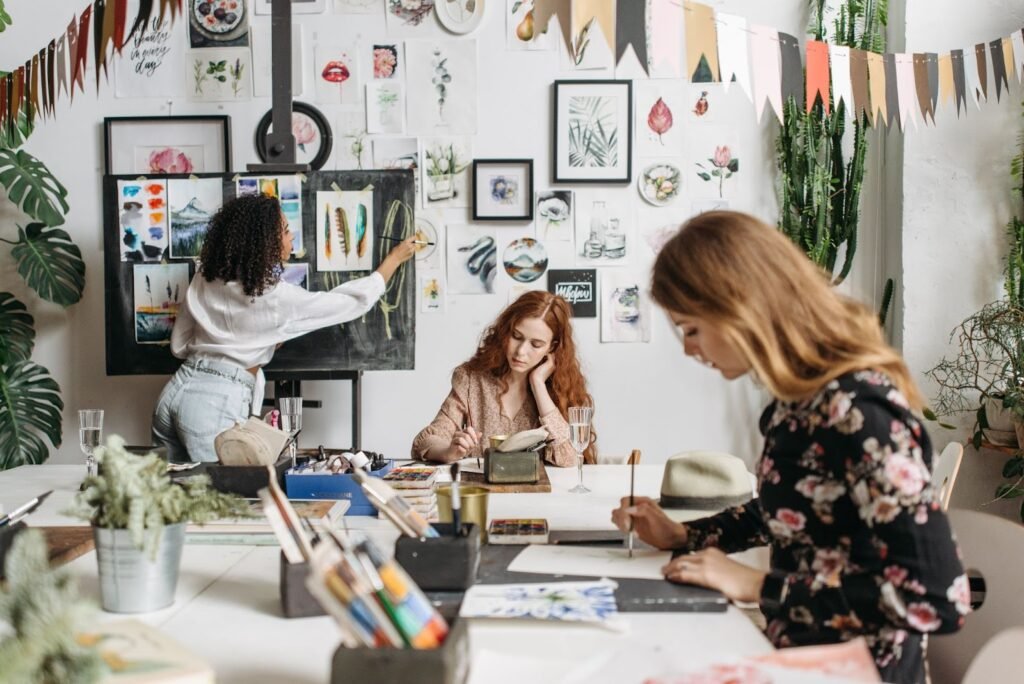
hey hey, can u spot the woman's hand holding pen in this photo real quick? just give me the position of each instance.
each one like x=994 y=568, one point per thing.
x=650 y=523
x=402 y=252
x=463 y=442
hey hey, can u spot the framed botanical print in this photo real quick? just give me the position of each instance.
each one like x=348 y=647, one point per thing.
x=502 y=189
x=167 y=144
x=593 y=132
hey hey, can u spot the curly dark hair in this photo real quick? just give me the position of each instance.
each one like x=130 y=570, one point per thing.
x=244 y=244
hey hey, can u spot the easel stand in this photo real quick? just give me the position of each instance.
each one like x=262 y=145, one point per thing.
x=286 y=384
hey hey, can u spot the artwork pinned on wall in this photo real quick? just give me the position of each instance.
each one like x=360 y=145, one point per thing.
x=445 y=163
x=714 y=171
x=431 y=291
x=660 y=183
x=604 y=231
x=398 y=153
x=298 y=6
x=441 y=80
x=353 y=147
x=344 y=230
x=578 y=286
x=525 y=260
x=460 y=16
x=336 y=73
x=218 y=23
x=166 y=144
x=428 y=229
x=403 y=15
x=625 y=307
x=385 y=106
x=472 y=257
x=191 y=203
x=296 y=274
x=153 y=63
x=521 y=31
x=502 y=189
x=593 y=132
x=262 y=64
x=159 y=291
x=706 y=103
x=555 y=217
x=660 y=109
x=387 y=60
x=142 y=220
x=665 y=20
x=288 y=192
x=219 y=74
x=592 y=29
x=358 y=6
x=313 y=136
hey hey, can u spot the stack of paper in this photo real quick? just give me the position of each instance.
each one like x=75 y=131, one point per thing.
x=416 y=485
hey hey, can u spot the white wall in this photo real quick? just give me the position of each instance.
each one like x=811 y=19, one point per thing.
x=648 y=396
x=956 y=203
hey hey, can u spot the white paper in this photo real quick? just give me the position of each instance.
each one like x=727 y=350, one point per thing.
x=219 y=74
x=764 y=55
x=842 y=86
x=441 y=86
x=733 y=56
x=590 y=561
x=153 y=63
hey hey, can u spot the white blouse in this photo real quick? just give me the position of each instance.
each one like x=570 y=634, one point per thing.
x=218 y=321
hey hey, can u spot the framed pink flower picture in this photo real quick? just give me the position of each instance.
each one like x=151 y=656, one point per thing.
x=150 y=145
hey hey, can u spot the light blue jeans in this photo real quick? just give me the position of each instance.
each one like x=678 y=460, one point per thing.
x=202 y=400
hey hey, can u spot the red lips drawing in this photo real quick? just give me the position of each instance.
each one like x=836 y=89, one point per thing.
x=335 y=72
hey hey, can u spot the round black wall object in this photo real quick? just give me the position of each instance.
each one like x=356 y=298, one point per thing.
x=313 y=138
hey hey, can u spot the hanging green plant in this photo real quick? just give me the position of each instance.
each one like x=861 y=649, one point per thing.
x=19 y=336
x=50 y=263
x=30 y=406
x=32 y=187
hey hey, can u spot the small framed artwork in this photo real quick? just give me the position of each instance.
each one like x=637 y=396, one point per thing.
x=313 y=136
x=502 y=189
x=593 y=132
x=166 y=144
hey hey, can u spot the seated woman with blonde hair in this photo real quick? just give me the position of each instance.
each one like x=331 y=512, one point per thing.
x=524 y=375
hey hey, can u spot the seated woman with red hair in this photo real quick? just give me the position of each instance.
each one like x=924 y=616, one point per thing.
x=524 y=375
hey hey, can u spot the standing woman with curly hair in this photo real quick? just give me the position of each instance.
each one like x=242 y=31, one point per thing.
x=524 y=375
x=237 y=311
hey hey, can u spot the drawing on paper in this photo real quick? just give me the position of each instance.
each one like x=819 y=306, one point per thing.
x=426 y=231
x=337 y=74
x=191 y=203
x=220 y=74
x=159 y=291
x=431 y=292
x=660 y=184
x=521 y=30
x=165 y=159
x=472 y=259
x=385 y=61
x=561 y=601
x=441 y=80
x=554 y=210
x=578 y=288
x=410 y=12
x=525 y=260
x=593 y=132
x=602 y=233
x=625 y=309
x=344 y=230
x=142 y=217
x=445 y=176
x=296 y=274
x=721 y=167
x=384 y=105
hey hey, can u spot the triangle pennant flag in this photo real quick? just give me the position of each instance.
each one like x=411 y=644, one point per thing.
x=44 y=93
x=631 y=29
x=981 y=55
x=586 y=16
x=120 y=23
x=892 y=100
x=62 y=61
x=842 y=87
x=972 y=82
x=32 y=86
x=733 y=54
x=82 y=51
x=764 y=56
x=146 y=11
x=72 y=35
x=859 y=78
x=792 y=68
x=876 y=84
x=51 y=75
x=956 y=58
x=998 y=67
x=1018 y=53
x=926 y=64
x=701 y=43
x=817 y=75
x=666 y=38
x=906 y=89
x=5 y=83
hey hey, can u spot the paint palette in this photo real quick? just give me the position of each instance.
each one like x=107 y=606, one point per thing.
x=518 y=531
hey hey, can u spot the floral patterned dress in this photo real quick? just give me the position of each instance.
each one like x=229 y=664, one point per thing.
x=859 y=544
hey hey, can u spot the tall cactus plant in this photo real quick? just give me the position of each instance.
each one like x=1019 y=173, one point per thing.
x=1015 y=232
x=820 y=188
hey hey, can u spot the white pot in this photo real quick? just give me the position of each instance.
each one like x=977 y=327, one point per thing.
x=131 y=581
x=1001 y=424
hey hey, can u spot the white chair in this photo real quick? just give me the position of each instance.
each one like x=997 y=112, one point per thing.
x=944 y=471
x=994 y=547
x=998 y=659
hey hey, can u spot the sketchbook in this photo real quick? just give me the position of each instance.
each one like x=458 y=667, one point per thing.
x=589 y=561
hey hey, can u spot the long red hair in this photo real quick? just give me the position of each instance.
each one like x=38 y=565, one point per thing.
x=566 y=385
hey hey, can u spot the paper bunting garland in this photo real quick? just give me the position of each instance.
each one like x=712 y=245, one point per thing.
x=926 y=79
x=859 y=78
x=792 y=68
x=701 y=43
x=842 y=86
x=1018 y=53
x=998 y=67
x=764 y=54
x=665 y=32
x=906 y=89
x=733 y=56
x=631 y=30
x=817 y=75
x=892 y=102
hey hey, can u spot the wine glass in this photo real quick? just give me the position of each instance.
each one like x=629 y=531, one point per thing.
x=90 y=432
x=579 y=436
x=291 y=422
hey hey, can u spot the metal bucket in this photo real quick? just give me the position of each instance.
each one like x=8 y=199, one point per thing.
x=130 y=580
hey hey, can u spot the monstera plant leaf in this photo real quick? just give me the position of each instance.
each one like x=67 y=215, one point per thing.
x=30 y=409
x=13 y=136
x=17 y=336
x=5 y=18
x=50 y=263
x=32 y=187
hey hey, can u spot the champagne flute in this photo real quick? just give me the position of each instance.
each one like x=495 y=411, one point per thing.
x=580 y=418
x=90 y=432
x=291 y=422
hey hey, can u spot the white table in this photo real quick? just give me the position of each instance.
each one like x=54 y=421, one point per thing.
x=227 y=606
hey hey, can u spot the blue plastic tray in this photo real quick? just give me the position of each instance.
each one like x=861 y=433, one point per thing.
x=334 y=486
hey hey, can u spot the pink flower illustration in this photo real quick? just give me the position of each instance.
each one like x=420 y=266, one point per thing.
x=659 y=120
x=923 y=617
x=722 y=156
x=723 y=166
x=169 y=160
x=384 y=62
x=303 y=130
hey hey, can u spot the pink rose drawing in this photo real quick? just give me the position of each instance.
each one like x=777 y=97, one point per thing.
x=169 y=160
x=723 y=166
x=960 y=594
x=906 y=475
x=385 y=59
x=303 y=130
x=923 y=617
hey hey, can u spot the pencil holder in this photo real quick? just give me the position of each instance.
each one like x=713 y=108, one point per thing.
x=444 y=563
x=7 y=535
x=244 y=480
x=296 y=601
x=447 y=664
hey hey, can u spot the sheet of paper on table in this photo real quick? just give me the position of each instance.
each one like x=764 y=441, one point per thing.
x=591 y=561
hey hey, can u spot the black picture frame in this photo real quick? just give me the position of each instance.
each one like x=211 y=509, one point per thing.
x=485 y=211
x=319 y=120
x=213 y=132
x=561 y=167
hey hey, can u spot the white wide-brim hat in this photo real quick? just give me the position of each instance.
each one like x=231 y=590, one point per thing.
x=697 y=484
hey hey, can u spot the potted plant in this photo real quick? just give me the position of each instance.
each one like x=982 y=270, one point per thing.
x=138 y=516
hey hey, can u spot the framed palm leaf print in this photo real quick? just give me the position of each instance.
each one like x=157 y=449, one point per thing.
x=593 y=136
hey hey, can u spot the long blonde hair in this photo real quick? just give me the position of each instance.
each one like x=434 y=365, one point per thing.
x=773 y=305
